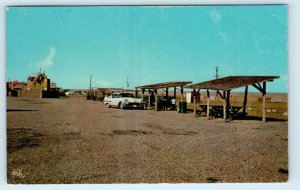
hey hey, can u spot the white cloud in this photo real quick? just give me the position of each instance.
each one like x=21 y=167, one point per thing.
x=276 y=17
x=103 y=83
x=48 y=60
x=215 y=16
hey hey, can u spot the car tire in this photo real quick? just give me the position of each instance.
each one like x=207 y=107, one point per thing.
x=107 y=105
x=121 y=105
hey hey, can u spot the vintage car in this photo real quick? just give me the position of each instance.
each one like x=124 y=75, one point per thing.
x=123 y=100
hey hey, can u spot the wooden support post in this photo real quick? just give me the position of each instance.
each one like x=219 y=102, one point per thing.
x=194 y=98
x=175 y=93
x=245 y=100
x=198 y=94
x=155 y=105
x=167 y=93
x=143 y=91
x=224 y=105
x=264 y=102
x=181 y=93
x=207 y=103
x=227 y=104
x=218 y=92
x=149 y=100
x=136 y=92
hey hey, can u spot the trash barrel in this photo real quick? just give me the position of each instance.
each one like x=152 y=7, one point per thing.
x=182 y=107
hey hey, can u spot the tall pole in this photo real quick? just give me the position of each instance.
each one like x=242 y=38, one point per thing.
x=217 y=72
x=89 y=93
x=90 y=85
x=217 y=76
x=127 y=83
x=90 y=82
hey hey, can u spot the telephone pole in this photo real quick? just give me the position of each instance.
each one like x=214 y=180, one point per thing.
x=127 y=83
x=217 y=76
x=217 y=73
x=90 y=82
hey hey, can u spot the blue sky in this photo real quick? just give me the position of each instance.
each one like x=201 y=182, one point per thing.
x=147 y=44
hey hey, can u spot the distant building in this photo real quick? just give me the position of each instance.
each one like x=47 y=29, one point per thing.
x=37 y=86
x=14 y=87
x=39 y=81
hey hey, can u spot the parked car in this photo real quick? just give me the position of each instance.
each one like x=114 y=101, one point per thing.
x=68 y=93
x=123 y=100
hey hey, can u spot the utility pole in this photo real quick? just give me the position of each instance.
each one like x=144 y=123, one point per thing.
x=90 y=82
x=127 y=83
x=89 y=94
x=217 y=73
x=217 y=76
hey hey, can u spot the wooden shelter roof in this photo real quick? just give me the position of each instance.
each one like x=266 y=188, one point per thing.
x=231 y=82
x=165 y=85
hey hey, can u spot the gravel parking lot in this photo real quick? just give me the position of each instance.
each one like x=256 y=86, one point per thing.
x=72 y=140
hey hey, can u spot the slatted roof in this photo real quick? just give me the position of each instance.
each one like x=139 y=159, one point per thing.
x=231 y=82
x=165 y=85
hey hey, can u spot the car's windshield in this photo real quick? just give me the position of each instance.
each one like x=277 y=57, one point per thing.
x=126 y=95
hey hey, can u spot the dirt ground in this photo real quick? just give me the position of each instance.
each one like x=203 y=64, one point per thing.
x=72 y=140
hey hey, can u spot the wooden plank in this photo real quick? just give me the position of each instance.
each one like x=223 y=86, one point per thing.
x=220 y=94
x=165 y=85
x=245 y=100
x=231 y=82
x=258 y=87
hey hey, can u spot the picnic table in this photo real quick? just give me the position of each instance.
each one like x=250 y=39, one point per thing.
x=217 y=110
